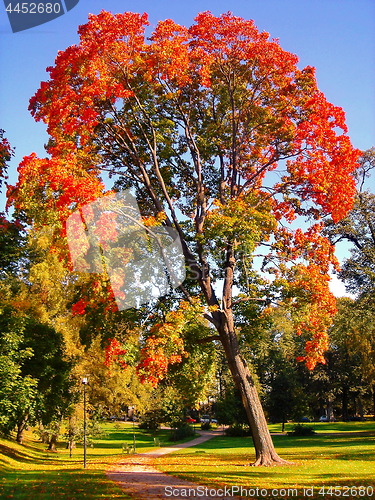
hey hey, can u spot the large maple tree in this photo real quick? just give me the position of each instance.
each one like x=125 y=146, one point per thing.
x=216 y=128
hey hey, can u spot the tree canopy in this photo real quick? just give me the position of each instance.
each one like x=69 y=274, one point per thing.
x=222 y=137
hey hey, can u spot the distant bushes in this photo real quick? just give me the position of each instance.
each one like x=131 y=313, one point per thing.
x=238 y=430
x=151 y=420
x=302 y=430
x=206 y=426
x=181 y=432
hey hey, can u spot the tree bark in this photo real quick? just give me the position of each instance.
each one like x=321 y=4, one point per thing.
x=264 y=449
x=52 y=443
x=223 y=320
x=345 y=413
x=70 y=445
x=21 y=426
x=19 y=437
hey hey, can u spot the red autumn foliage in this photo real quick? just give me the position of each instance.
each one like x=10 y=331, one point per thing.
x=118 y=102
x=114 y=352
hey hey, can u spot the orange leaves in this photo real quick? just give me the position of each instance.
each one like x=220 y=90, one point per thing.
x=195 y=119
x=107 y=27
x=114 y=352
x=310 y=246
x=89 y=74
x=306 y=257
x=314 y=309
x=60 y=184
x=164 y=346
x=106 y=227
x=253 y=107
x=169 y=52
x=227 y=36
x=154 y=221
x=324 y=169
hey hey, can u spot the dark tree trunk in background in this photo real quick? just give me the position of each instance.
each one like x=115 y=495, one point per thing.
x=344 y=407
x=21 y=426
x=52 y=443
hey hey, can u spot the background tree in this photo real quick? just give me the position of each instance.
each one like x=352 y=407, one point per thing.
x=35 y=372
x=358 y=272
x=18 y=391
x=353 y=357
x=223 y=138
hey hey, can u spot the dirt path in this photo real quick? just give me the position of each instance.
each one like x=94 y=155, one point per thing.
x=136 y=475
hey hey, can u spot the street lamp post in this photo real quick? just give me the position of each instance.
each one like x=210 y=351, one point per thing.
x=134 y=443
x=84 y=382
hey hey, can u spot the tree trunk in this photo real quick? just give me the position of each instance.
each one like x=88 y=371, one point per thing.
x=70 y=445
x=222 y=318
x=21 y=426
x=264 y=448
x=345 y=413
x=44 y=437
x=19 y=437
x=360 y=407
x=52 y=443
x=330 y=415
x=355 y=405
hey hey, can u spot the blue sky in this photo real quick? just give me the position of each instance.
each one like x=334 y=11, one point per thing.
x=335 y=36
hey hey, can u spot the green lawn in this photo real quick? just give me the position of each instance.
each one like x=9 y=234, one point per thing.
x=29 y=472
x=340 y=454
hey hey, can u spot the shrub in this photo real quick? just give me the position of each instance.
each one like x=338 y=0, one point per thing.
x=151 y=420
x=182 y=432
x=206 y=426
x=302 y=430
x=238 y=430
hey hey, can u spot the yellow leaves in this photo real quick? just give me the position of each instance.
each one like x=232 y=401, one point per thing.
x=165 y=345
x=247 y=219
x=154 y=221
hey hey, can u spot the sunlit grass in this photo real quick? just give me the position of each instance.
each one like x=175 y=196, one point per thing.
x=328 y=458
x=331 y=427
x=340 y=454
x=29 y=472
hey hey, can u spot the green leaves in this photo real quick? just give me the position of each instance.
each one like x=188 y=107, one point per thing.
x=18 y=392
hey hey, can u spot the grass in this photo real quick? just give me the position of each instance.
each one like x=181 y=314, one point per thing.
x=330 y=427
x=340 y=454
x=29 y=472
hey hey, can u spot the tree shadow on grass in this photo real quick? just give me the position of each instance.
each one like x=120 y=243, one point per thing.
x=21 y=455
x=318 y=460
x=300 y=446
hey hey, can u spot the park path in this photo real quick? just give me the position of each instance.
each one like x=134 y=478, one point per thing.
x=137 y=476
